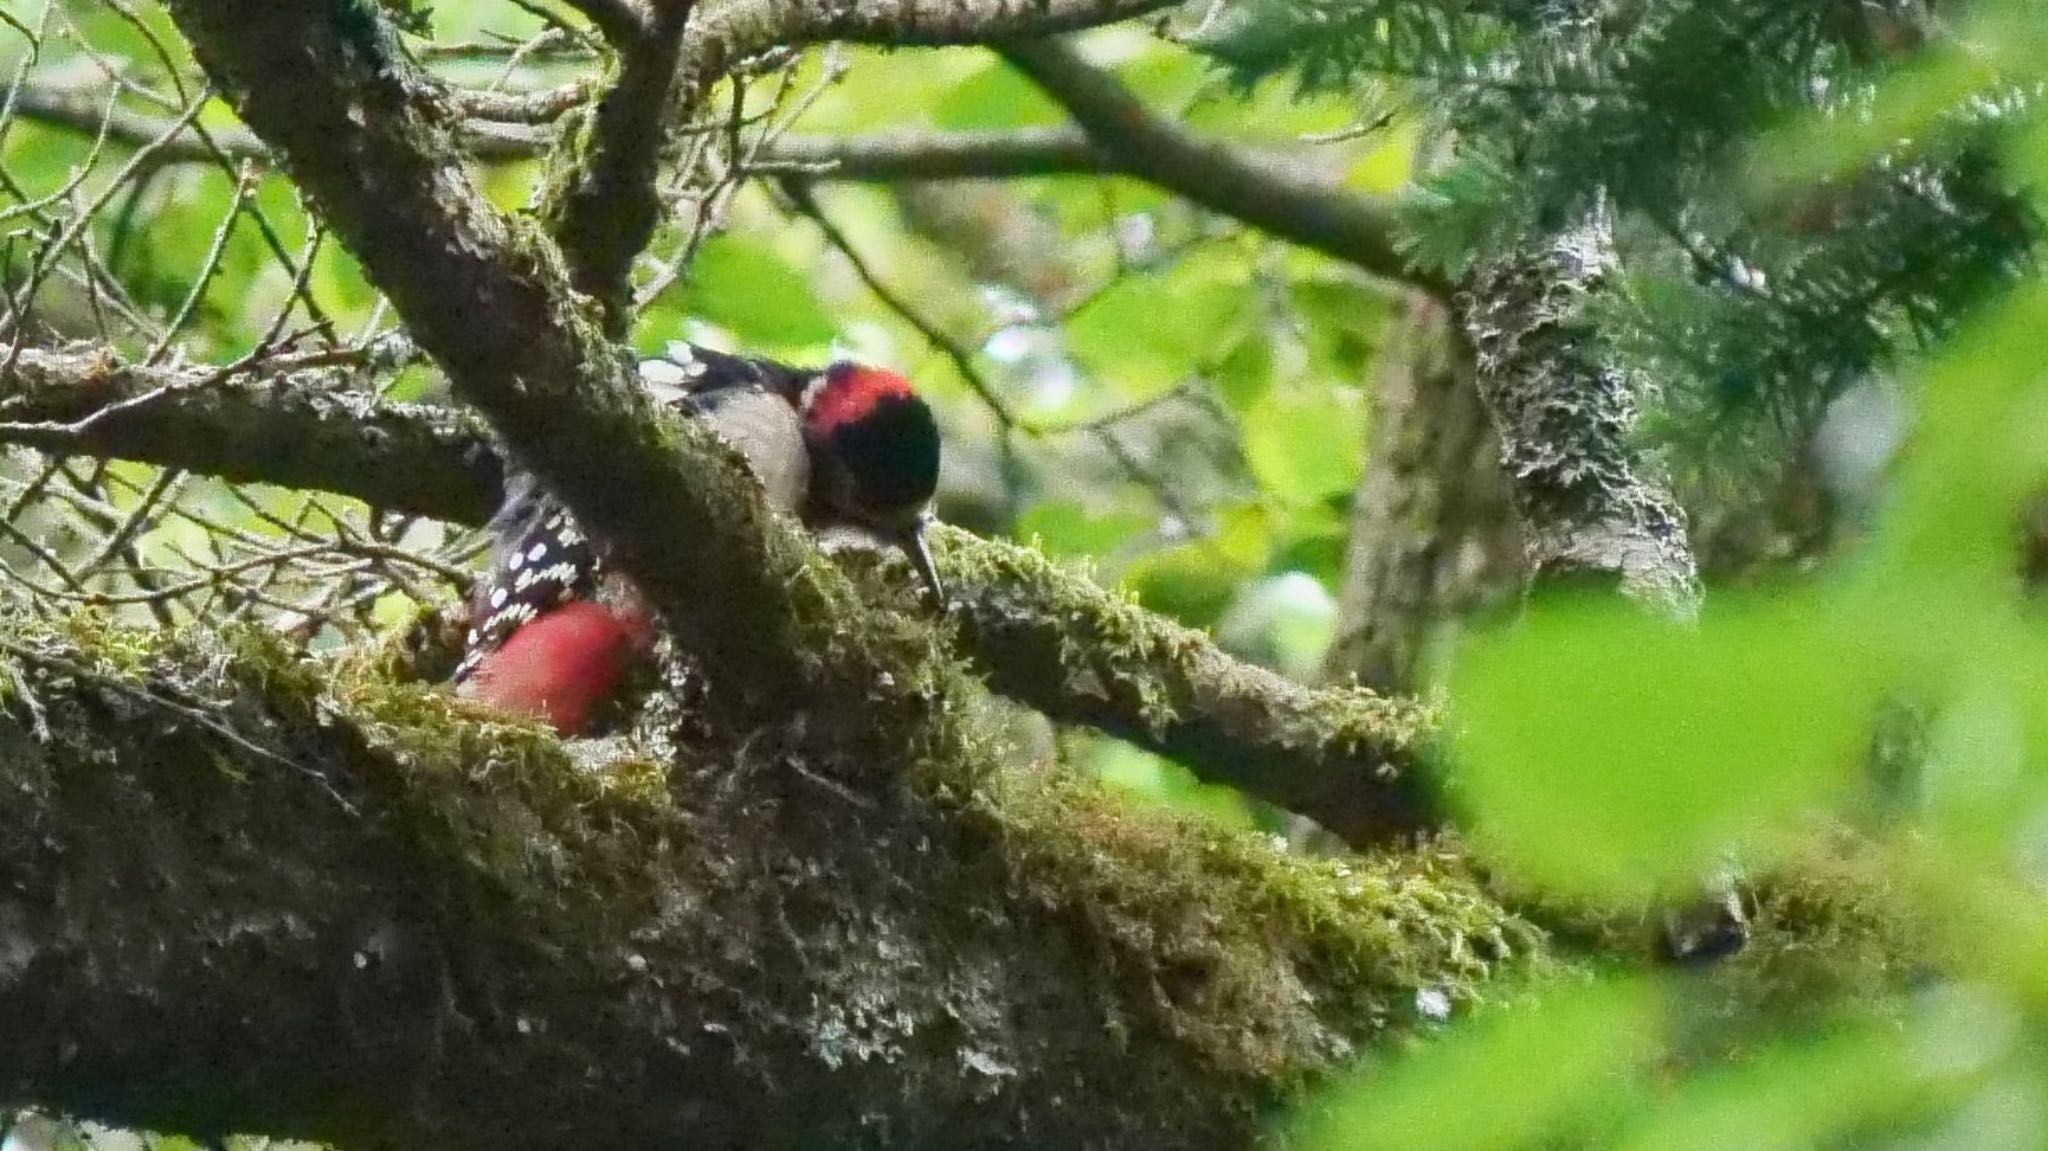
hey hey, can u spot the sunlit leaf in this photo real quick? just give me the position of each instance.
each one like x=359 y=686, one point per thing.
x=742 y=284
x=1148 y=333
x=1799 y=1096
x=1066 y=528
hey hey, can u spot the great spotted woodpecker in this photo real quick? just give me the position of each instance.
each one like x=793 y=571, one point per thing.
x=554 y=632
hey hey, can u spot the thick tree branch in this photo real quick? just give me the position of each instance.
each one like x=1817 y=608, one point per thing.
x=620 y=22
x=601 y=204
x=82 y=110
x=1347 y=758
x=1566 y=419
x=1053 y=641
x=1433 y=536
x=1273 y=197
x=264 y=424
x=363 y=133
x=246 y=893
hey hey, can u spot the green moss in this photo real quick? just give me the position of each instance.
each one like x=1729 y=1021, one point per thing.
x=880 y=928
x=1832 y=936
x=1106 y=646
x=503 y=793
x=1276 y=967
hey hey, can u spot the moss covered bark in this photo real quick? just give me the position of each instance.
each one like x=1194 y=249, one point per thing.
x=247 y=891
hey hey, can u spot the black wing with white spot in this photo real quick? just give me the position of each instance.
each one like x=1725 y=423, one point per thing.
x=539 y=559
x=693 y=377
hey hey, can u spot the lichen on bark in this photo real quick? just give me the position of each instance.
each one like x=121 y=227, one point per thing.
x=1589 y=503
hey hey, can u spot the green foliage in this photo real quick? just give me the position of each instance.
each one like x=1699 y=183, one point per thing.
x=1664 y=745
x=1534 y=1076
x=1892 y=991
x=1751 y=315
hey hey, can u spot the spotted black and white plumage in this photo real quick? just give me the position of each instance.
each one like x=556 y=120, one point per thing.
x=540 y=559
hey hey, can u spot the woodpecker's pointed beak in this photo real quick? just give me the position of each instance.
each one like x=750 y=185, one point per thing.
x=921 y=556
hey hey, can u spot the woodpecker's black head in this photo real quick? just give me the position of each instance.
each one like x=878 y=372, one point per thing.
x=877 y=451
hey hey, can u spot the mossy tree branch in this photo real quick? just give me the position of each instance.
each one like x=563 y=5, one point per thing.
x=601 y=205
x=1349 y=759
x=1047 y=638
x=249 y=893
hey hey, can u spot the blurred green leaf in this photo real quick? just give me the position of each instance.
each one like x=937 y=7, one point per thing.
x=1607 y=753
x=1800 y=1095
x=1190 y=582
x=995 y=97
x=742 y=284
x=1147 y=333
x=1156 y=780
x=1305 y=445
x=1067 y=528
x=1245 y=374
x=1534 y=1076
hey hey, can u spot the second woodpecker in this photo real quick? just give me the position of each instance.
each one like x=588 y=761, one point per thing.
x=846 y=446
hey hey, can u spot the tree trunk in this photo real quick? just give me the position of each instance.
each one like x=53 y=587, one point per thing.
x=1432 y=535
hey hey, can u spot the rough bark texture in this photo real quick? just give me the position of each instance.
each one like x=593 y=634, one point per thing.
x=1433 y=536
x=602 y=203
x=1588 y=505
x=245 y=892
x=301 y=429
